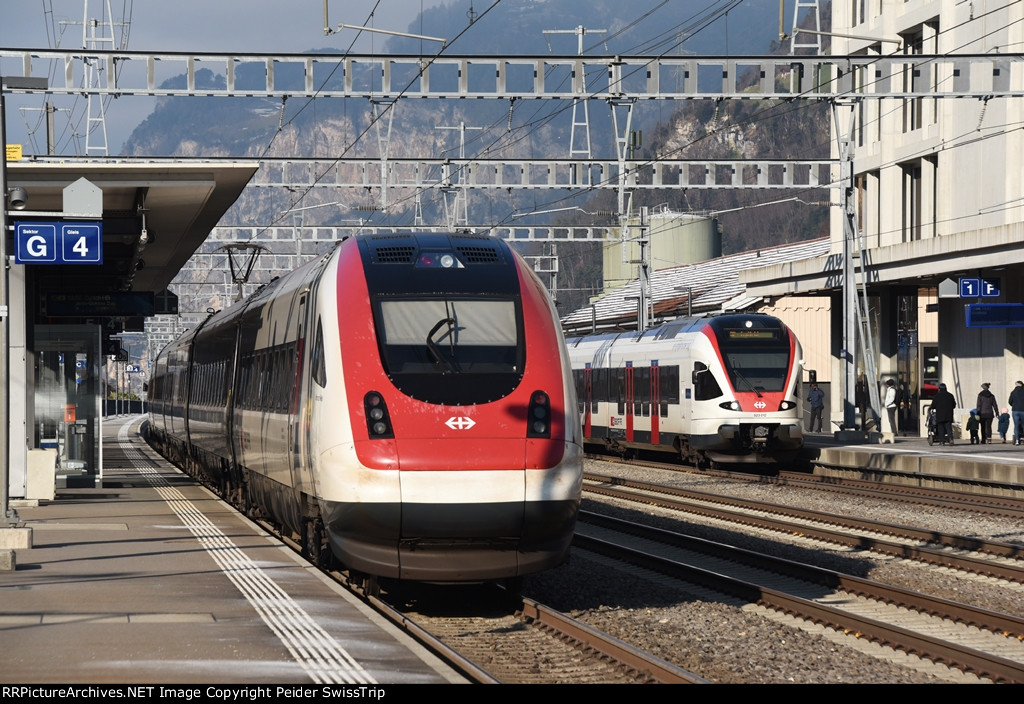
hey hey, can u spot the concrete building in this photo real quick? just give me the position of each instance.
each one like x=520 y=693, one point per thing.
x=939 y=204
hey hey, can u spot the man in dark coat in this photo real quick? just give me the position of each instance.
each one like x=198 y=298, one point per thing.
x=987 y=410
x=1017 y=412
x=943 y=404
x=817 y=399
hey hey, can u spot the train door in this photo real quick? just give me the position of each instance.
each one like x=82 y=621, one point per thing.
x=586 y=397
x=295 y=413
x=655 y=389
x=630 y=400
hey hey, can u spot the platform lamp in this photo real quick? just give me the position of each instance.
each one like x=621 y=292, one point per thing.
x=15 y=199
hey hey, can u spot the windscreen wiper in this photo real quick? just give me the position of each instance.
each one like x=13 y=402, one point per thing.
x=439 y=358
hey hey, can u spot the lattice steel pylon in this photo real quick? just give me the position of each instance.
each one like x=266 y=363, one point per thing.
x=456 y=195
x=857 y=336
x=812 y=45
x=98 y=35
x=579 y=88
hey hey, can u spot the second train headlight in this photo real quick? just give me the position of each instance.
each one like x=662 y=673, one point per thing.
x=730 y=405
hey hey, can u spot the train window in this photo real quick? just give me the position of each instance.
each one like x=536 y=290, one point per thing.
x=669 y=387
x=642 y=390
x=757 y=368
x=705 y=387
x=579 y=377
x=243 y=381
x=318 y=366
x=263 y=367
x=452 y=350
x=619 y=382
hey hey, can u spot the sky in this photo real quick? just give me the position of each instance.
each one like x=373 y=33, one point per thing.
x=255 y=26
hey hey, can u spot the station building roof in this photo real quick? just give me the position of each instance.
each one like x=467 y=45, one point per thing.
x=707 y=287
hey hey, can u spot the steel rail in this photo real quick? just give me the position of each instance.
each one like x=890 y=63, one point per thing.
x=840 y=536
x=994 y=667
x=639 y=660
x=1008 y=625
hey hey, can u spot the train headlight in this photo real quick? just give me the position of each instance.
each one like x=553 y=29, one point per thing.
x=438 y=260
x=730 y=405
x=378 y=421
x=538 y=422
x=787 y=405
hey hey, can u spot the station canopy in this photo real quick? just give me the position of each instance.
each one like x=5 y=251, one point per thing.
x=155 y=215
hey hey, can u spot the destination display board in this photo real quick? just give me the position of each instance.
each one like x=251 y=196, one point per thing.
x=995 y=315
x=89 y=305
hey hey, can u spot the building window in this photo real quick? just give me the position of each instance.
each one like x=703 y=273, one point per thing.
x=867 y=126
x=860 y=9
x=912 y=202
x=920 y=198
x=868 y=213
x=912 y=45
x=920 y=77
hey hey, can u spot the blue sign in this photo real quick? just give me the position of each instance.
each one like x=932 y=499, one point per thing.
x=995 y=315
x=979 y=288
x=62 y=242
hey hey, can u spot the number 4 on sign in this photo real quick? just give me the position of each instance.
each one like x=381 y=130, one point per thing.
x=81 y=247
x=82 y=243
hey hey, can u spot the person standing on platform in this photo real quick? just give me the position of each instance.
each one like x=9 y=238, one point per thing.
x=987 y=410
x=1003 y=425
x=1017 y=412
x=972 y=427
x=817 y=399
x=890 y=404
x=944 y=404
x=860 y=396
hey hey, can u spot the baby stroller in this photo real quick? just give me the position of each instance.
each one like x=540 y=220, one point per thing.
x=931 y=426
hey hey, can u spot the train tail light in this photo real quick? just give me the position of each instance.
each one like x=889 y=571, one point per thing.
x=378 y=421
x=538 y=423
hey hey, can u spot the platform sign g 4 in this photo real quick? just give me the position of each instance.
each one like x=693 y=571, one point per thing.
x=62 y=242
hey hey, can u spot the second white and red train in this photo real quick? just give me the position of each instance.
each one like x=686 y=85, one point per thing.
x=720 y=390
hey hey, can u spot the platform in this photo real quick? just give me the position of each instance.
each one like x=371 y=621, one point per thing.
x=995 y=462
x=152 y=579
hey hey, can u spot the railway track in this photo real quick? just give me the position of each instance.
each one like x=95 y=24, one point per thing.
x=994 y=499
x=495 y=638
x=990 y=558
x=988 y=644
x=527 y=643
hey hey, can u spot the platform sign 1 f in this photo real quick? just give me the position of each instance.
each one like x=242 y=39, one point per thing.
x=979 y=288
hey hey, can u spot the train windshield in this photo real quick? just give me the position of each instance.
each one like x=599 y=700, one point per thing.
x=452 y=350
x=755 y=360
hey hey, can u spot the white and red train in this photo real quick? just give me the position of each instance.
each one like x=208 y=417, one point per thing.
x=404 y=403
x=710 y=390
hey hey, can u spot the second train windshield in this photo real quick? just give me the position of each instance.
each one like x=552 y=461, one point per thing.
x=755 y=353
